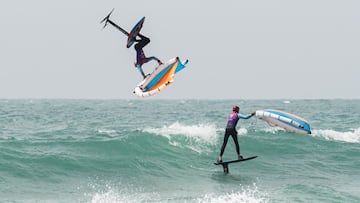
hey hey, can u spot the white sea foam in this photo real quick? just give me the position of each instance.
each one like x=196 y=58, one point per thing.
x=242 y=131
x=112 y=196
x=104 y=197
x=248 y=195
x=109 y=133
x=349 y=136
x=108 y=194
x=272 y=130
x=199 y=137
x=200 y=132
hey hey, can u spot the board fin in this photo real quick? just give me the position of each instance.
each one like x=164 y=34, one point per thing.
x=107 y=19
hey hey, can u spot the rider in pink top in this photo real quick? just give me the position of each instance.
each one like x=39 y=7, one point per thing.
x=231 y=130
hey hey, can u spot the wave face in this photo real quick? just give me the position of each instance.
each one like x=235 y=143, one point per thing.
x=163 y=151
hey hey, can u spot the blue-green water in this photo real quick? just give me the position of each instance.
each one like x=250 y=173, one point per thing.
x=163 y=151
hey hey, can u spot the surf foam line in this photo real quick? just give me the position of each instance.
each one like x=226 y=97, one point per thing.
x=249 y=194
x=350 y=136
x=204 y=133
x=112 y=194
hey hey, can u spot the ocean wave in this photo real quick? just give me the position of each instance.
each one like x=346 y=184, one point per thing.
x=197 y=138
x=349 y=136
x=205 y=133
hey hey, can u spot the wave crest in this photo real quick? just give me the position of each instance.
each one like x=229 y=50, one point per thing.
x=350 y=136
x=205 y=133
x=197 y=138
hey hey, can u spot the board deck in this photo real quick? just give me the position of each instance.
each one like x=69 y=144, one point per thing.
x=225 y=164
x=234 y=161
x=134 y=32
x=160 y=78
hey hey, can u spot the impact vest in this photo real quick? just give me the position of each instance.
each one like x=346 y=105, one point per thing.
x=140 y=57
x=232 y=120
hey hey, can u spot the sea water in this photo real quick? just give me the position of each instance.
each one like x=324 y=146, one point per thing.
x=164 y=150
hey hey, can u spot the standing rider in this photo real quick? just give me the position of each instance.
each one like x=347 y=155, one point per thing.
x=231 y=130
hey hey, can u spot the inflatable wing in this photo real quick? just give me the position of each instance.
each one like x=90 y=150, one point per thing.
x=160 y=78
x=285 y=120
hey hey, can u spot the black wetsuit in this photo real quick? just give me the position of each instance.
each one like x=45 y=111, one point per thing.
x=233 y=133
x=231 y=130
x=140 y=55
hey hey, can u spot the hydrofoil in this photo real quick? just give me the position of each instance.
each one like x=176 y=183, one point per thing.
x=225 y=164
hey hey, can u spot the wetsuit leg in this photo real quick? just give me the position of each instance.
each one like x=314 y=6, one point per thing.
x=152 y=58
x=235 y=138
x=226 y=137
x=142 y=43
x=138 y=66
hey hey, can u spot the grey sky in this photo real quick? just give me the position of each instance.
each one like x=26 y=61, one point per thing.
x=262 y=49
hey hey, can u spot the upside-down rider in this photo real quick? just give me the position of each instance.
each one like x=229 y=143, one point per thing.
x=140 y=44
x=140 y=55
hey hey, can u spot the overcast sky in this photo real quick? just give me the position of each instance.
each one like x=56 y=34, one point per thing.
x=262 y=49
